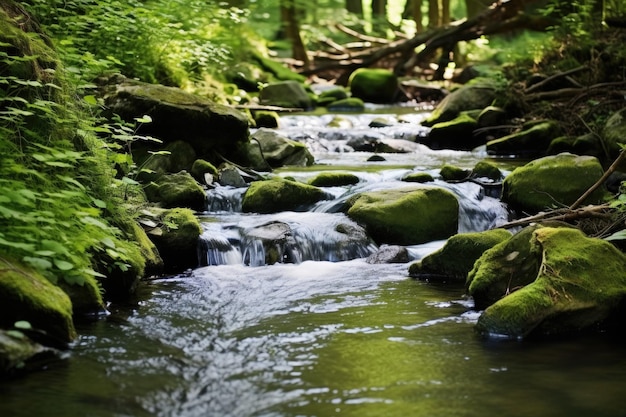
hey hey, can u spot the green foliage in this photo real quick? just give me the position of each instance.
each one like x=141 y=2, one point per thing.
x=166 y=41
x=53 y=182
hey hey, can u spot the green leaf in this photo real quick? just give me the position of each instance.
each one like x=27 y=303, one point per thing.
x=22 y=324
x=144 y=119
x=620 y=235
x=91 y=100
x=99 y=203
x=38 y=263
x=129 y=181
x=63 y=265
x=29 y=247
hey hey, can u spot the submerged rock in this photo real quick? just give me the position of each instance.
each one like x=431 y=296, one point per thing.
x=334 y=179
x=552 y=181
x=571 y=283
x=456 y=258
x=389 y=254
x=406 y=216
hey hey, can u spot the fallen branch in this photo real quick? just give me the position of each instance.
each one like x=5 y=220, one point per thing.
x=602 y=211
x=601 y=181
x=551 y=78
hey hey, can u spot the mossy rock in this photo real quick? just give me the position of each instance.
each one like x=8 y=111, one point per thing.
x=288 y=94
x=329 y=96
x=278 y=70
x=407 y=216
x=266 y=118
x=491 y=116
x=279 y=151
x=334 y=179
x=486 y=169
x=469 y=97
x=200 y=168
x=340 y=122
x=178 y=242
x=207 y=126
x=457 y=134
x=374 y=85
x=275 y=195
x=453 y=173
x=588 y=144
x=420 y=177
x=25 y=295
x=550 y=181
x=530 y=141
x=174 y=157
x=456 y=258
x=614 y=135
x=177 y=190
x=579 y=284
x=351 y=104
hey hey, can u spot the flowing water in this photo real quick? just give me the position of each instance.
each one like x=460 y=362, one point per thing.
x=324 y=332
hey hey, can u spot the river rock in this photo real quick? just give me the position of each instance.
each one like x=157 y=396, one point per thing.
x=587 y=144
x=614 y=135
x=421 y=177
x=457 y=134
x=18 y=352
x=278 y=242
x=266 y=118
x=389 y=254
x=450 y=172
x=334 y=179
x=279 y=151
x=177 y=190
x=272 y=196
x=552 y=181
x=570 y=283
x=203 y=171
x=350 y=104
x=176 y=115
x=456 y=258
x=330 y=96
x=178 y=242
x=374 y=85
x=289 y=94
x=174 y=157
x=475 y=96
x=534 y=139
x=407 y=216
x=28 y=296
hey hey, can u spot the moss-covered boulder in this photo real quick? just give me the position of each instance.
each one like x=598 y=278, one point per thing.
x=279 y=151
x=327 y=97
x=575 y=283
x=486 y=169
x=588 y=144
x=450 y=172
x=552 y=181
x=421 y=177
x=172 y=158
x=334 y=179
x=614 y=135
x=177 y=242
x=470 y=97
x=28 y=296
x=534 y=139
x=272 y=196
x=374 y=85
x=266 y=118
x=203 y=171
x=406 y=216
x=177 y=190
x=456 y=258
x=176 y=115
x=457 y=134
x=351 y=104
x=288 y=94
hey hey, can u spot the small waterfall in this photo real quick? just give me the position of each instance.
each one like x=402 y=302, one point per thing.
x=286 y=237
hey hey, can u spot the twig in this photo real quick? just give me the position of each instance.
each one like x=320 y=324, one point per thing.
x=554 y=77
x=565 y=214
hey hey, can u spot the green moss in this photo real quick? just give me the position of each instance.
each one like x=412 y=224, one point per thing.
x=453 y=173
x=375 y=85
x=334 y=179
x=406 y=216
x=486 y=169
x=456 y=258
x=421 y=177
x=352 y=104
x=276 y=195
x=200 y=167
x=177 y=190
x=26 y=295
x=580 y=283
x=469 y=97
x=531 y=140
x=264 y=118
x=552 y=181
x=178 y=242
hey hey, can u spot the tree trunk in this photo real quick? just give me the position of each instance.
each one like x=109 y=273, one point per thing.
x=413 y=10
x=355 y=7
x=445 y=12
x=433 y=14
x=475 y=7
x=379 y=15
x=291 y=28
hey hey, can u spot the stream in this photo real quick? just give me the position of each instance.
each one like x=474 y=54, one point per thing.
x=324 y=333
